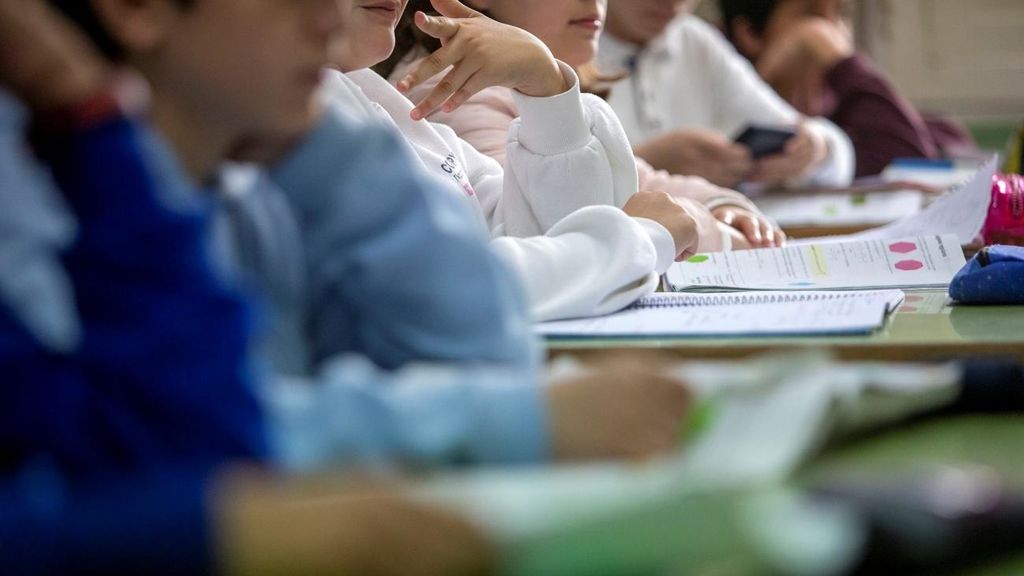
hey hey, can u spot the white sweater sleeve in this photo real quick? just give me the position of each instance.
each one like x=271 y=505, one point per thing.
x=564 y=152
x=596 y=261
x=744 y=98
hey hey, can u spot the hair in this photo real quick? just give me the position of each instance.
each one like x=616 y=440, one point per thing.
x=84 y=15
x=757 y=12
x=412 y=43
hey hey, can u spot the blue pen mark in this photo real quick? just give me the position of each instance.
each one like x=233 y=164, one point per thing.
x=804 y=284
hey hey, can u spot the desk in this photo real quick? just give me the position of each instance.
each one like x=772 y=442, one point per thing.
x=925 y=328
x=992 y=441
x=687 y=536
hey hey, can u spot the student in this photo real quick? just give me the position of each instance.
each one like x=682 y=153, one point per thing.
x=395 y=333
x=804 y=49
x=117 y=419
x=594 y=261
x=686 y=93
x=484 y=117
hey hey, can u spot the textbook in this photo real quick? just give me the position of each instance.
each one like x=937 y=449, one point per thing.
x=924 y=262
x=737 y=314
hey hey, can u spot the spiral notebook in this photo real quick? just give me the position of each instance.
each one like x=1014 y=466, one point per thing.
x=736 y=314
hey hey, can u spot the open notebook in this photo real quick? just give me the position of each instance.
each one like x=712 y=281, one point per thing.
x=737 y=314
x=925 y=262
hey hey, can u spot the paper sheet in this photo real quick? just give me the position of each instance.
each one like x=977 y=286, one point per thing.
x=960 y=211
x=830 y=209
x=924 y=262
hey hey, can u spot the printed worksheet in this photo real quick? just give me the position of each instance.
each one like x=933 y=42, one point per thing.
x=923 y=262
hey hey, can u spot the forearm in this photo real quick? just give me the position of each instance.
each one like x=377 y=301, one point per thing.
x=565 y=153
x=595 y=261
x=353 y=413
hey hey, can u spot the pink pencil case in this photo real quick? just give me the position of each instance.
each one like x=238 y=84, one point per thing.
x=1005 y=222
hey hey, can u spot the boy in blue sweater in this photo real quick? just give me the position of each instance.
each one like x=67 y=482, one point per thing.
x=395 y=333
x=116 y=419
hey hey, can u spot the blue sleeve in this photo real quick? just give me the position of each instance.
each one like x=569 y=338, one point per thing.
x=399 y=269
x=422 y=346
x=160 y=374
x=357 y=414
x=154 y=526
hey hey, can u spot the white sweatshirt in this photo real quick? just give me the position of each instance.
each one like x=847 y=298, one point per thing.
x=593 y=261
x=691 y=77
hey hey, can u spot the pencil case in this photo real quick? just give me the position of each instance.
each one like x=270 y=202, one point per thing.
x=1005 y=221
x=994 y=276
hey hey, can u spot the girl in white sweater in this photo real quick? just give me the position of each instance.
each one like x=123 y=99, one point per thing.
x=593 y=260
x=483 y=115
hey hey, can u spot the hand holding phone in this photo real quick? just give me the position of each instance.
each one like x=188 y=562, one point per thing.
x=765 y=141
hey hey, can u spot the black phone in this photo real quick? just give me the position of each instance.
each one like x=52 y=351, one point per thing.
x=765 y=141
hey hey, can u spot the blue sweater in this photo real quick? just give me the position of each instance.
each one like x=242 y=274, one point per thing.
x=105 y=448
x=163 y=342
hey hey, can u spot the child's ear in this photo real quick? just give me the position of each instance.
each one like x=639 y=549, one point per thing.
x=137 y=25
x=747 y=40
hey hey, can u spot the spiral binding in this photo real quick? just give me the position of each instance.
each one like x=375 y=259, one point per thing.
x=672 y=300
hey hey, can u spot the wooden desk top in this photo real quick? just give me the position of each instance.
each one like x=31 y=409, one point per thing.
x=925 y=328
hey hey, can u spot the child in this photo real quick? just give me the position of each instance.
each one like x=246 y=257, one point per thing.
x=804 y=49
x=686 y=93
x=485 y=118
x=412 y=332
x=117 y=418
x=595 y=260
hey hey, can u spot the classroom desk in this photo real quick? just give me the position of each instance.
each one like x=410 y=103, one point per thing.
x=990 y=441
x=683 y=536
x=925 y=328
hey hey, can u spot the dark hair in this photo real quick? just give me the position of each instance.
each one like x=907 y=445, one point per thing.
x=82 y=13
x=757 y=12
x=410 y=41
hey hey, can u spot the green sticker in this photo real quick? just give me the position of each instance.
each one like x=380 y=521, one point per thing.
x=699 y=419
x=699 y=259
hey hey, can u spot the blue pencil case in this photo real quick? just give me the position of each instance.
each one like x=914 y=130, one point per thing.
x=994 y=276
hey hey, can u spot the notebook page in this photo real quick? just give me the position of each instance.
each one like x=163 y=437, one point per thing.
x=924 y=262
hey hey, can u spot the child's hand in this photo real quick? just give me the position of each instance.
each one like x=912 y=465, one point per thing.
x=671 y=214
x=699 y=152
x=758 y=229
x=333 y=526
x=483 y=53
x=44 y=60
x=618 y=412
x=803 y=152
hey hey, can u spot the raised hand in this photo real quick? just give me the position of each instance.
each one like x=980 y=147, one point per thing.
x=481 y=53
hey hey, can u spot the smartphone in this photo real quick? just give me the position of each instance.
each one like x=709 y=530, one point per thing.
x=765 y=141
